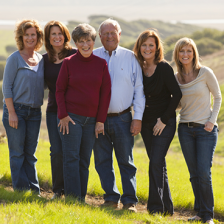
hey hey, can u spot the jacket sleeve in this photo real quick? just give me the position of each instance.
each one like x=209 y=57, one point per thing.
x=9 y=76
x=105 y=95
x=174 y=89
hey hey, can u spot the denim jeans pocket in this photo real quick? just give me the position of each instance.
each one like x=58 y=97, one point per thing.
x=127 y=117
x=17 y=107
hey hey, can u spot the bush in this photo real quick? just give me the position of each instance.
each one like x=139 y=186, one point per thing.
x=2 y=66
x=207 y=46
x=10 y=49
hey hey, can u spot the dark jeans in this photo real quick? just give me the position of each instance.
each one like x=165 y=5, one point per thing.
x=118 y=137
x=77 y=148
x=159 y=200
x=198 y=146
x=22 y=143
x=56 y=153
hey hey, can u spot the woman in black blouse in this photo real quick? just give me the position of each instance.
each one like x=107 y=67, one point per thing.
x=159 y=119
x=57 y=44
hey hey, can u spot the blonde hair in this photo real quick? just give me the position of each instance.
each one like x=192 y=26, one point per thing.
x=179 y=45
x=50 y=50
x=21 y=28
x=159 y=55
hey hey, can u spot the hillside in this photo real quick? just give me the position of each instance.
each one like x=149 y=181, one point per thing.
x=216 y=63
x=131 y=29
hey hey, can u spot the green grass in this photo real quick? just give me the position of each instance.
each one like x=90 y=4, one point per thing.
x=24 y=207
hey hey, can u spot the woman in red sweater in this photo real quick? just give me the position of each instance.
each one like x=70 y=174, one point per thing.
x=83 y=92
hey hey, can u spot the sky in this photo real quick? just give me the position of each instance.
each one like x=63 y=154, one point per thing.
x=79 y=10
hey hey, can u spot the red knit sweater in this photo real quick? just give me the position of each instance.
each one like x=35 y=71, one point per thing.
x=83 y=87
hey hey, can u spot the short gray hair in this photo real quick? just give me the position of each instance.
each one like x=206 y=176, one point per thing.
x=110 y=21
x=83 y=30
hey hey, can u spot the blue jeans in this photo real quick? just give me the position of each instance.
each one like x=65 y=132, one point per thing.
x=56 y=153
x=77 y=148
x=22 y=143
x=159 y=200
x=117 y=136
x=198 y=147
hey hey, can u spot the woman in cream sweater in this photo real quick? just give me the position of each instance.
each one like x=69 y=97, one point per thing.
x=197 y=128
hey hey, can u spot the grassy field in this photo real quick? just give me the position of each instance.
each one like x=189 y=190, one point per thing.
x=27 y=208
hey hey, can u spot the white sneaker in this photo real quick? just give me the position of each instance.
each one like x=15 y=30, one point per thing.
x=210 y=221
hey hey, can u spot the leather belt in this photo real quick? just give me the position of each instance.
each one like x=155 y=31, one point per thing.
x=192 y=124
x=117 y=114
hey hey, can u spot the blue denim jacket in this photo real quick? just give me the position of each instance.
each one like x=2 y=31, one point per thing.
x=21 y=83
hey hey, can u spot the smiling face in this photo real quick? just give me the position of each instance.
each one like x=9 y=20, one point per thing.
x=186 y=55
x=85 y=46
x=30 y=38
x=148 y=49
x=56 y=37
x=110 y=37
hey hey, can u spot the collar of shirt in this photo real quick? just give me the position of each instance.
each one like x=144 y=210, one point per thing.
x=114 y=52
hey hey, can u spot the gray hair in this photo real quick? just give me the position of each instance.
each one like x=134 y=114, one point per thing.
x=110 y=21
x=83 y=30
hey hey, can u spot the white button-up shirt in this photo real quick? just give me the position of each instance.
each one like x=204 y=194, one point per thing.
x=126 y=81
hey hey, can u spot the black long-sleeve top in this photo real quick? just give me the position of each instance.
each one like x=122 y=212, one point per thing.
x=162 y=94
x=51 y=71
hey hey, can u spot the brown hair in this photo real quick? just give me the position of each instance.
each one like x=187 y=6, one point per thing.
x=159 y=56
x=20 y=30
x=83 y=30
x=179 y=45
x=50 y=50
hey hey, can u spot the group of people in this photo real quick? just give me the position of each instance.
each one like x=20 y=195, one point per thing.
x=91 y=92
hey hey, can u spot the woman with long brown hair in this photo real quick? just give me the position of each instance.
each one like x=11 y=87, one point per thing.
x=57 y=44
x=162 y=95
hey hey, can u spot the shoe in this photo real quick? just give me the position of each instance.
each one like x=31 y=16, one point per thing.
x=210 y=221
x=56 y=196
x=111 y=204
x=196 y=218
x=130 y=207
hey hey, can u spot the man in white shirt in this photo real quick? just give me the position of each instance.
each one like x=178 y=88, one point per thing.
x=120 y=128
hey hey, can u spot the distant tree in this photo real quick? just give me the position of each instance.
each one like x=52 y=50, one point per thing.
x=207 y=46
x=10 y=48
x=2 y=66
x=173 y=39
x=2 y=58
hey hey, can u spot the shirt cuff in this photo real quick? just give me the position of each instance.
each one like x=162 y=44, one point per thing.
x=137 y=116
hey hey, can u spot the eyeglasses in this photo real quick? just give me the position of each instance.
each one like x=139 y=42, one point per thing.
x=108 y=34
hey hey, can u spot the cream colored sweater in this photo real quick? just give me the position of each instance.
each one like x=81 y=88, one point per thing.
x=196 y=99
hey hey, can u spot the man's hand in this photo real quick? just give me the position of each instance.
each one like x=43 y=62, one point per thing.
x=63 y=124
x=99 y=128
x=136 y=126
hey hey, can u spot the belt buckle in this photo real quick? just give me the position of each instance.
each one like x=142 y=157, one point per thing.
x=188 y=124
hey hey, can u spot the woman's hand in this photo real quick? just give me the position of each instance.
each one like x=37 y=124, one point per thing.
x=63 y=124
x=209 y=126
x=158 y=128
x=99 y=128
x=13 y=120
